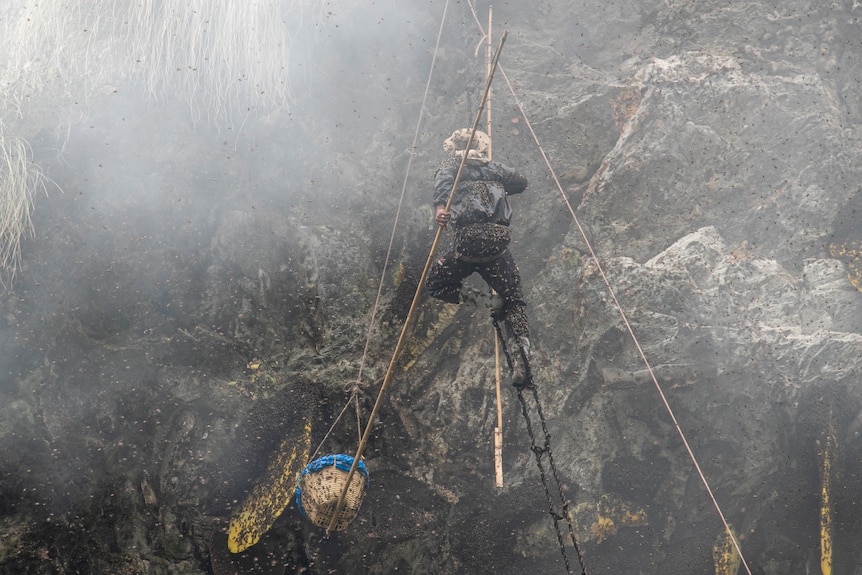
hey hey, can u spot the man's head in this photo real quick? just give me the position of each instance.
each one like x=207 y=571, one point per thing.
x=457 y=144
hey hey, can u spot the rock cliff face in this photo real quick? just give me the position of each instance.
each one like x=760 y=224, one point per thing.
x=195 y=294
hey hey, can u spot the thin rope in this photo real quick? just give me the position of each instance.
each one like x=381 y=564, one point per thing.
x=414 y=304
x=355 y=387
x=358 y=418
x=627 y=324
x=332 y=427
x=619 y=307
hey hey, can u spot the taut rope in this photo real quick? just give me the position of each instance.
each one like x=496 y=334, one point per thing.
x=631 y=332
x=625 y=320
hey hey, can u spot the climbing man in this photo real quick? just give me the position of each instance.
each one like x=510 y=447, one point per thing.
x=480 y=215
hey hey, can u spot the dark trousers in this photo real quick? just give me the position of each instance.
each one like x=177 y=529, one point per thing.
x=447 y=274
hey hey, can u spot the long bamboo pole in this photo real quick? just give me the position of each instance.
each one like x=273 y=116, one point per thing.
x=498 y=431
x=488 y=113
x=413 y=305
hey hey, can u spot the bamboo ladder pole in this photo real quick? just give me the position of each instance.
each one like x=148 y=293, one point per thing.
x=488 y=73
x=498 y=431
x=413 y=305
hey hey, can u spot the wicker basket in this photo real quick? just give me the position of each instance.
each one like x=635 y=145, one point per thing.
x=321 y=487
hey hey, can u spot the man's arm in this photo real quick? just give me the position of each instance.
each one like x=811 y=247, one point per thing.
x=513 y=182
x=443 y=180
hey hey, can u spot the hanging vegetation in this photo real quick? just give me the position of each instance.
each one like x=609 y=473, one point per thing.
x=20 y=179
x=217 y=56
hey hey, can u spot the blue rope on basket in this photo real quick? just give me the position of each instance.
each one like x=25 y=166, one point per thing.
x=341 y=461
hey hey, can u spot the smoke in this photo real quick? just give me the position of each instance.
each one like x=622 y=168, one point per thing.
x=224 y=61
x=269 y=88
x=209 y=157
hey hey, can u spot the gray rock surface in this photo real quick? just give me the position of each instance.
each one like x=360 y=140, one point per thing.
x=197 y=291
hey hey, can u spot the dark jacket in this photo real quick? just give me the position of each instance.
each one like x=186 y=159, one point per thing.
x=481 y=193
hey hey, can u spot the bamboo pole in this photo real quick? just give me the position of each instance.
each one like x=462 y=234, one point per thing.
x=488 y=112
x=413 y=305
x=498 y=431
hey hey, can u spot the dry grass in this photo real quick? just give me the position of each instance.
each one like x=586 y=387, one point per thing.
x=217 y=55
x=20 y=179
